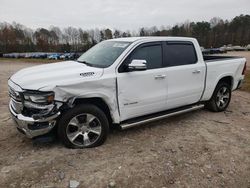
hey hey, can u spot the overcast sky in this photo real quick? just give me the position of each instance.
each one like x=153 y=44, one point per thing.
x=120 y=14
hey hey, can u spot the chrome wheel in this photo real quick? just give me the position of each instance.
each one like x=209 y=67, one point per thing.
x=222 y=97
x=84 y=130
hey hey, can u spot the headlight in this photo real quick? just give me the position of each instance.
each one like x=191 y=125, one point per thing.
x=39 y=97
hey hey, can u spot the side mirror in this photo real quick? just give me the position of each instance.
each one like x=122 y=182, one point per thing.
x=137 y=65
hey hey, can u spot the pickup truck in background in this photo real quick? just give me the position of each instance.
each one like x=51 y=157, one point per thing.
x=122 y=82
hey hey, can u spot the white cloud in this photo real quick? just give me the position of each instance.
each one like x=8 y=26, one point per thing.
x=125 y=14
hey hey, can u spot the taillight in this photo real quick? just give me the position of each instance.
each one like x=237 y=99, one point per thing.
x=244 y=69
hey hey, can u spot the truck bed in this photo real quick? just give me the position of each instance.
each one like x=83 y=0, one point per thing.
x=212 y=58
x=218 y=67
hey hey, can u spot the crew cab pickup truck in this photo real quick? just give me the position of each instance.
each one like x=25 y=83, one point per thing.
x=121 y=82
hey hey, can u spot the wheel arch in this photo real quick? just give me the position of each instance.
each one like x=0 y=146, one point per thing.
x=211 y=103
x=226 y=79
x=97 y=101
x=210 y=88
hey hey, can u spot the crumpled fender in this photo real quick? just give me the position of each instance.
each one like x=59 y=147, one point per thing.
x=104 y=88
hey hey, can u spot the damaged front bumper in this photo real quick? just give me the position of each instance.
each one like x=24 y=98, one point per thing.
x=30 y=126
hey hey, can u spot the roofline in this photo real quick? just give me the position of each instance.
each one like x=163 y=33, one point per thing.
x=149 y=38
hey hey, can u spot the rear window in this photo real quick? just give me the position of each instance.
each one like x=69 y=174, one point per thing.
x=180 y=53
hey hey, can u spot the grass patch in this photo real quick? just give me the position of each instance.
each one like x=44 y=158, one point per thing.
x=29 y=60
x=246 y=85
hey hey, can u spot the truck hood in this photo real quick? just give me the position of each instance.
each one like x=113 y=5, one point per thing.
x=51 y=75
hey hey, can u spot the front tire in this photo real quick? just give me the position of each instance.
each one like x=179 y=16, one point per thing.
x=84 y=126
x=220 y=98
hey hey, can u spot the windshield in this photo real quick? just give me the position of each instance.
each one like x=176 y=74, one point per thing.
x=103 y=54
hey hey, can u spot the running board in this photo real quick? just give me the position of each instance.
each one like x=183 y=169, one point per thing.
x=155 y=118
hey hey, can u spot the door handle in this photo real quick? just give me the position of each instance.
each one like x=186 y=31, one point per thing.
x=160 y=76
x=196 y=71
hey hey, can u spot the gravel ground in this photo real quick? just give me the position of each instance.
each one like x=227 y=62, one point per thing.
x=198 y=149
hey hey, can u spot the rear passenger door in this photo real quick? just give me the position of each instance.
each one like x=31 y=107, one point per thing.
x=185 y=74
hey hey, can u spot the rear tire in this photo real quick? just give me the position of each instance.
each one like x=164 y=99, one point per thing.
x=84 y=126
x=220 y=98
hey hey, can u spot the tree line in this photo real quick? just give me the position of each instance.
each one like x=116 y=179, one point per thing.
x=218 y=32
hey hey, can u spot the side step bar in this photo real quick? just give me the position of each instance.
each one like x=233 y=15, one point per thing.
x=133 y=124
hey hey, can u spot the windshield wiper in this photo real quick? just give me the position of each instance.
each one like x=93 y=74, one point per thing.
x=90 y=65
x=86 y=63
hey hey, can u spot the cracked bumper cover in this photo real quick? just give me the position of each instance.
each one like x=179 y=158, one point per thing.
x=32 y=127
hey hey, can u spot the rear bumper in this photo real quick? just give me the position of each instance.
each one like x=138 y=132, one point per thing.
x=33 y=127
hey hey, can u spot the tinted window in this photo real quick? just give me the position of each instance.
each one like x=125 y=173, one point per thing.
x=180 y=54
x=152 y=54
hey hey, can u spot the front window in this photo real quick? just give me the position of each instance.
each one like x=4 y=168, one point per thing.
x=103 y=54
x=152 y=54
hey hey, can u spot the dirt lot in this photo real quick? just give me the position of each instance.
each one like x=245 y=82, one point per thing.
x=198 y=149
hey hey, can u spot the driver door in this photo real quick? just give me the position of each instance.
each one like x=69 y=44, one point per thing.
x=142 y=92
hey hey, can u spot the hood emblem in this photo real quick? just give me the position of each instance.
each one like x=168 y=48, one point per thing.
x=87 y=74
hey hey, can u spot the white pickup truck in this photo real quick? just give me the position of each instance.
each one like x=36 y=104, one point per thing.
x=122 y=82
